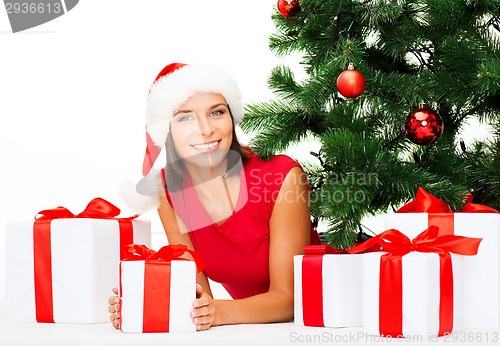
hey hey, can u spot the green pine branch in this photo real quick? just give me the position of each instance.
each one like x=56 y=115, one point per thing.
x=443 y=52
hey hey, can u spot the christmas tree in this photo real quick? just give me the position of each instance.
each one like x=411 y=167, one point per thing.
x=444 y=53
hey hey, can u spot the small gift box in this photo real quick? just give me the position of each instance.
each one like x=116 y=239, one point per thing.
x=61 y=267
x=157 y=289
x=481 y=272
x=414 y=287
x=328 y=288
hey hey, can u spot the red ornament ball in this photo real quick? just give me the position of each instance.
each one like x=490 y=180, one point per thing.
x=423 y=126
x=351 y=83
x=288 y=8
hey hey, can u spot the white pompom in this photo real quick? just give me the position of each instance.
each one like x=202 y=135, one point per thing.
x=149 y=196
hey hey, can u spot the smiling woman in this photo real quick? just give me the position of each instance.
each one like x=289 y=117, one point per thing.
x=202 y=130
x=203 y=201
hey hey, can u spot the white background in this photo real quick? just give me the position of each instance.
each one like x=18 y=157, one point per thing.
x=73 y=92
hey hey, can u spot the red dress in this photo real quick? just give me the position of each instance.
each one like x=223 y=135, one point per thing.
x=236 y=252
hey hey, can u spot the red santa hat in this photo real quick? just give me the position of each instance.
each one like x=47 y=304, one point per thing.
x=173 y=86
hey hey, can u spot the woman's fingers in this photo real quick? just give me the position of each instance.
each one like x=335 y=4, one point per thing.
x=115 y=319
x=199 y=290
x=116 y=323
x=113 y=300
x=204 y=300
x=203 y=313
x=114 y=309
x=203 y=326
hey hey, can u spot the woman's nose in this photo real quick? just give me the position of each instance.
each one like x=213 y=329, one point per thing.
x=205 y=127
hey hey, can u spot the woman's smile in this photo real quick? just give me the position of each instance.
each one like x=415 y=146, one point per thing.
x=206 y=147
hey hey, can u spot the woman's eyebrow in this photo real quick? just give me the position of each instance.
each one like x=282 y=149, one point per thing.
x=183 y=111
x=219 y=104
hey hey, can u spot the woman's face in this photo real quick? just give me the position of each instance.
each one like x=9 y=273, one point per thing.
x=202 y=130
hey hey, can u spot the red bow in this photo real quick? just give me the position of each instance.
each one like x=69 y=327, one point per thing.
x=424 y=202
x=136 y=252
x=438 y=212
x=391 y=277
x=98 y=208
x=430 y=240
x=321 y=249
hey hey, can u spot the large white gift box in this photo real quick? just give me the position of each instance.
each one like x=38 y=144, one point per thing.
x=420 y=294
x=328 y=290
x=84 y=256
x=481 y=272
x=167 y=307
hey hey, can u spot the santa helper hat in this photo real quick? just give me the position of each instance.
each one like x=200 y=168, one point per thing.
x=173 y=86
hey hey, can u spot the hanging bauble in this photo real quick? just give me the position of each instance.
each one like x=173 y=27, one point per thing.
x=288 y=8
x=423 y=126
x=351 y=83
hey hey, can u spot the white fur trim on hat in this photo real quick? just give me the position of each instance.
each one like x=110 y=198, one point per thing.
x=171 y=91
x=144 y=195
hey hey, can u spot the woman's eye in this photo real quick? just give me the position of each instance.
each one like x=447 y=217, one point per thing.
x=217 y=113
x=184 y=118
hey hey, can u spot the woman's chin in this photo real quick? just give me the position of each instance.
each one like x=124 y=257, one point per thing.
x=207 y=160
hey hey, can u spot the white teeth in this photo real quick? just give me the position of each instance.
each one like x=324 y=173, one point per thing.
x=205 y=146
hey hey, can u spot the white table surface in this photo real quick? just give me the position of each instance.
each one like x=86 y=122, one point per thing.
x=276 y=334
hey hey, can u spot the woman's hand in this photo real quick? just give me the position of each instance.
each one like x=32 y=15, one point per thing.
x=203 y=313
x=114 y=309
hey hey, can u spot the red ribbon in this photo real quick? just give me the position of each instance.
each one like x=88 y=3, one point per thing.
x=156 y=316
x=137 y=252
x=312 y=283
x=391 y=273
x=98 y=208
x=157 y=274
x=439 y=213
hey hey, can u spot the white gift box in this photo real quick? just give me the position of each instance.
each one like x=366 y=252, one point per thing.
x=342 y=285
x=421 y=290
x=182 y=295
x=481 y=272
x=85 y=261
